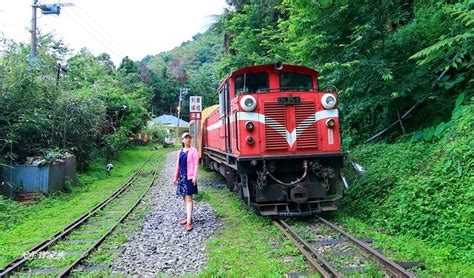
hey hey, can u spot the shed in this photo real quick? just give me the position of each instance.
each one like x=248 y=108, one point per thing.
x=171 y=123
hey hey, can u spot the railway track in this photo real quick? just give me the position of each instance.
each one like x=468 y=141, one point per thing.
x=63 y=252
x=326 y=260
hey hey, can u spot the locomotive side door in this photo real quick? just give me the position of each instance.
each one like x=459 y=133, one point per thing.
x=224 y=109
x=227 y=101
x=222 y=119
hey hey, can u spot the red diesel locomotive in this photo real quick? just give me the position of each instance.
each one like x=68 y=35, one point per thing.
x=275 y=138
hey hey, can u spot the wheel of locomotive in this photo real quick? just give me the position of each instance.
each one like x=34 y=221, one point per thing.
x=240 y=191
x=242 y=195
x=207 y=163
x=235 y=183
x=243 y=189
x=232 y=180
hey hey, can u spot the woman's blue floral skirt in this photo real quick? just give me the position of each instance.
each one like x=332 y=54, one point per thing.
x=185 y=186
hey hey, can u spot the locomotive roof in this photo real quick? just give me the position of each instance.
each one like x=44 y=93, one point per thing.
x=269 y=67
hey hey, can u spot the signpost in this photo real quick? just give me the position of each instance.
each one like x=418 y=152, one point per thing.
x=195 y=108
x=194 y=116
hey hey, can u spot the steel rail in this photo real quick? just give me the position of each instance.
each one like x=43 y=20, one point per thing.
x=84 y=255
x=393 y=268
x=315 y=265
x=320 y=257
x=10 y=267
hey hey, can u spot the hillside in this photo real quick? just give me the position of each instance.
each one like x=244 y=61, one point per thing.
x=192 y=66
x=384 y=59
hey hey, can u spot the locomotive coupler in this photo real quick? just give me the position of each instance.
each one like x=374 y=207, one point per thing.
x=292 y=183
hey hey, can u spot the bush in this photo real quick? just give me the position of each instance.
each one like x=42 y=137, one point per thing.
x=77 y=112
x=158 y=132
x=420 y=189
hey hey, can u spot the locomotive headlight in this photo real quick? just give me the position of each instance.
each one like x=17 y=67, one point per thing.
x=248 y=103
x=249 y=126
x=330 y=123
x=328 y=101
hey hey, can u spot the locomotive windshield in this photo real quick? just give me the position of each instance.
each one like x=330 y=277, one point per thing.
x=251 y=83
x=290 y=81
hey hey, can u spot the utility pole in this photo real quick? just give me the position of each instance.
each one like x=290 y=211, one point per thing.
x=33 y=29
x=45 y=9
x=58 y=73
x=182 y=93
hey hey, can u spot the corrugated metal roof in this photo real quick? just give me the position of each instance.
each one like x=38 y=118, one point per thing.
x=169 y=120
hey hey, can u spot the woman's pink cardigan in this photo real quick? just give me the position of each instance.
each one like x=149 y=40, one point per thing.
x=192 y=164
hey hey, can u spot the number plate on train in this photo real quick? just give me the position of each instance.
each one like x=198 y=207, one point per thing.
x=289 y=100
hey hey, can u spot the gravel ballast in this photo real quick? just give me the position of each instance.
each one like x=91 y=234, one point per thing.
x=163 y=246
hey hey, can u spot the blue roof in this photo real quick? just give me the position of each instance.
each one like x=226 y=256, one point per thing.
x=169 y=120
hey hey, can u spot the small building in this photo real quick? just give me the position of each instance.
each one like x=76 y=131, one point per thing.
x=171 y=123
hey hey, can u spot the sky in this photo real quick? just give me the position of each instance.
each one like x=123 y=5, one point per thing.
x=120 y=28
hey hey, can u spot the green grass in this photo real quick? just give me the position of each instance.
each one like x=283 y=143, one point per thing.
x=23 y=226
x=246 y=244
x=420 y=191
x=116 y=239
x=405 y=248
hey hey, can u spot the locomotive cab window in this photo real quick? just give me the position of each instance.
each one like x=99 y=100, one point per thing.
x=251 y=83
x=290 y=81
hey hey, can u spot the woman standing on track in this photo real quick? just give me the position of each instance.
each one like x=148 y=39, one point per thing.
x=185 y=177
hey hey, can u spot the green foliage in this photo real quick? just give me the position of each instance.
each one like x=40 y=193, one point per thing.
x=382 y=56
x=192 y=65
x=250 y=31
x=423 y=190
x=39 y=111
x=117 y=140
x=428 y=134
x=158 y=132
x=455 y=49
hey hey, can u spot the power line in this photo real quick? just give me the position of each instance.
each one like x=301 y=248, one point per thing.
x=99 y=40
x=86 y=26
x=105 y=32
x=91 y=27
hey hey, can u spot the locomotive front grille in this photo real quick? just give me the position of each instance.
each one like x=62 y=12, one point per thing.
x=275 y=126
x=305 y=125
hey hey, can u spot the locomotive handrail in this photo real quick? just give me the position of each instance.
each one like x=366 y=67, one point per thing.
x=284 y=89
x=279 y=89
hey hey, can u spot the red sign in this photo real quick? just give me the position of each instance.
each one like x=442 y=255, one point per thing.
x=194 y=116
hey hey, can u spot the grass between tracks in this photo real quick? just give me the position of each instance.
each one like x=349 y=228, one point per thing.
x=247 y=244
x=23 y=226
x=110 y=249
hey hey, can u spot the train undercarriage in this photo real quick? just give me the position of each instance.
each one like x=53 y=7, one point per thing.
x=296 y=185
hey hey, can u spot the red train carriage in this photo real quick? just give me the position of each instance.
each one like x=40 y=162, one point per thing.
x=275 y=138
